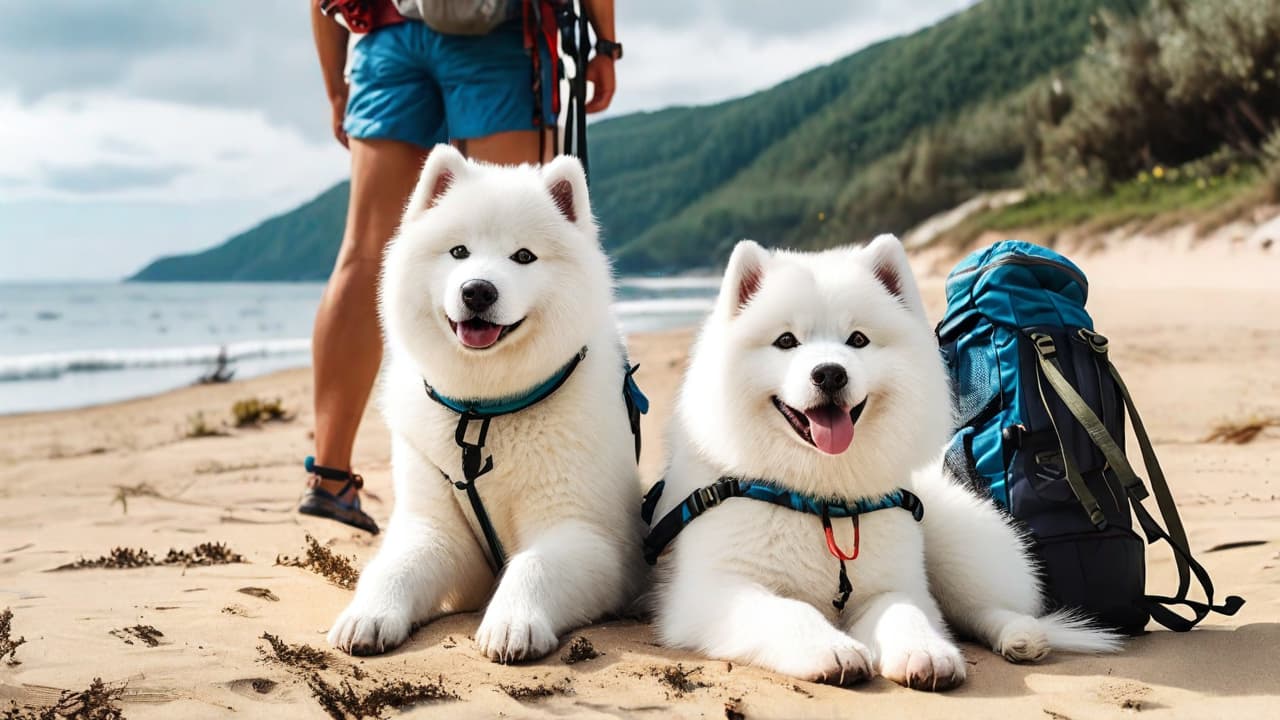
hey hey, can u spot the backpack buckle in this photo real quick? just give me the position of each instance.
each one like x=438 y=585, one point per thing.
x=1097 y=343
x=1044 y=345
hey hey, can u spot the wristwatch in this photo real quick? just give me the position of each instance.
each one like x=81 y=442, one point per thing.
x=609 y=48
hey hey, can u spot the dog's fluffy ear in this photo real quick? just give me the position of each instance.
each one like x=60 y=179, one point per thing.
x=443 y=168
x=567 y=184
x=888 y=261
x=742 y=277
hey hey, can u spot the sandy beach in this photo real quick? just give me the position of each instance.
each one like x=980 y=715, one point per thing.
x=1195 y=331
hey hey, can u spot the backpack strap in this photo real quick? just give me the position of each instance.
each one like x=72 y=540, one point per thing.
x=1159 y=605
x=1176 y=536
x=1047 y=354
x=1050 y=370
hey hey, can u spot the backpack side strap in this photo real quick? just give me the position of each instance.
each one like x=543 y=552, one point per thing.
x=1159 y=605
x=1159 y=486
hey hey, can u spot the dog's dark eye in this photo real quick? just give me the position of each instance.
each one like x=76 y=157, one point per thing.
x=460 y=252
x=858 y=340
x=786 y=341
x=523 y=256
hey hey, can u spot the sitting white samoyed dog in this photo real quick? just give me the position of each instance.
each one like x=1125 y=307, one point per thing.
x=505 y=355
x=802 y=548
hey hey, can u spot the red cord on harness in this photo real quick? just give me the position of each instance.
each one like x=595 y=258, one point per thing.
x=835 y=549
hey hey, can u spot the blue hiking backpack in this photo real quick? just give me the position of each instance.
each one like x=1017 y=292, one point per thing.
x=1041 y=428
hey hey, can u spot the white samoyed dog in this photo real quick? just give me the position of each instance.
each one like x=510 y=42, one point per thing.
x=799 y=350
x=495 y=292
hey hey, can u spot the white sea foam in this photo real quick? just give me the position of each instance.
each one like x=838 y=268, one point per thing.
x=45 y=366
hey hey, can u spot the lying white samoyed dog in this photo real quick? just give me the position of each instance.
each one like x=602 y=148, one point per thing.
x=800 y=545
x=504 y=356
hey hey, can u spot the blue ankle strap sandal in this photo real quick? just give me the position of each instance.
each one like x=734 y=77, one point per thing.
x=318 y=502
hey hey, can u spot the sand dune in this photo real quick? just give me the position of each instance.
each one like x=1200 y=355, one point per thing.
x=1198 y=345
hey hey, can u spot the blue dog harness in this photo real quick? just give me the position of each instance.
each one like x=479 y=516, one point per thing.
x=705 y=498
x=475 y=462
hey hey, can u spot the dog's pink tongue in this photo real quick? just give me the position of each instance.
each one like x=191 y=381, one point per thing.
x=475 y=334
x=831 y=428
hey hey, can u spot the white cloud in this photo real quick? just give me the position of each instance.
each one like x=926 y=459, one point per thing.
x=713 y=55
x=100 y=146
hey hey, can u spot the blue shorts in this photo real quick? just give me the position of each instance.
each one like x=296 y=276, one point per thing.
x=413 y=84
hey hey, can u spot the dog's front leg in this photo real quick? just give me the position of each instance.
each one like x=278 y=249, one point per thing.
x=905 y=630
x=428 y=562
x=731 y=618
x=569 y=575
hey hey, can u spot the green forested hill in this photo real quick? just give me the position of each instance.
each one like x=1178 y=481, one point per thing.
x=298 y=245
x=873 y=142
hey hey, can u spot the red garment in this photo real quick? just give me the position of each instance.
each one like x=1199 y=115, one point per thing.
x=550 y=35
x=364 y=16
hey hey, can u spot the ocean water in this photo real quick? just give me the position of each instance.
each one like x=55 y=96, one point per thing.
x=80 y=344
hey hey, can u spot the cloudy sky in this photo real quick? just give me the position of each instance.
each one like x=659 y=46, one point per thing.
x=131 y=129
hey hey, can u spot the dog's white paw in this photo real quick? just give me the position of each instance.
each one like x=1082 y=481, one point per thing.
x=839 y=660
x=935 y=664
x=1023 y=640
x=361 y=630
x=507 y=636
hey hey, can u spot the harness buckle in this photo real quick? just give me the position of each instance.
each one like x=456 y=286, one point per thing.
x=705 y=498
x=474 y=461
x=708 y=498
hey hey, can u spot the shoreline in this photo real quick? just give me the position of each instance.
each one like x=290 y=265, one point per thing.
x=138 y=345
x=301 y=366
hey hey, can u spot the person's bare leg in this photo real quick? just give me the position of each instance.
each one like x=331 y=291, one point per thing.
x=346 y=345
x=508 y=148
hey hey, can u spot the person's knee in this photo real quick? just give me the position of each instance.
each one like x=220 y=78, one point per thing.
x=357 y=267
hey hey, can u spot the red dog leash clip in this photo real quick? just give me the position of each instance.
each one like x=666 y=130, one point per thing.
x=832 y=547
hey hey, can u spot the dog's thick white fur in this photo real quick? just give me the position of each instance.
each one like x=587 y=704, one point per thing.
x=753 y=582
x=564 y=490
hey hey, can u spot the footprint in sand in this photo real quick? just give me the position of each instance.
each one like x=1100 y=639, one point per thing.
x=256 y=688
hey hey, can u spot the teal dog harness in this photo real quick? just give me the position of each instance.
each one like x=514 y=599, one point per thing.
x=705 y=498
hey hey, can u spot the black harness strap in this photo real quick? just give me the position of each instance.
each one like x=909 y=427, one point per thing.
x=478 y=414
x=475 y=462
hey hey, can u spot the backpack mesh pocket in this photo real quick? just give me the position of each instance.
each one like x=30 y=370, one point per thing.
x=976 y=381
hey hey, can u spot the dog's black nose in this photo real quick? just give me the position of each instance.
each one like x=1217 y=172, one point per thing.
x=829 y=377
x=479 y=295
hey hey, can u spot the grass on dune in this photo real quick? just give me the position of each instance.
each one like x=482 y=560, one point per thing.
x=1163 y=197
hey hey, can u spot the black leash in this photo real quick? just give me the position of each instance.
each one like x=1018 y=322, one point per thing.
x=576 y=42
